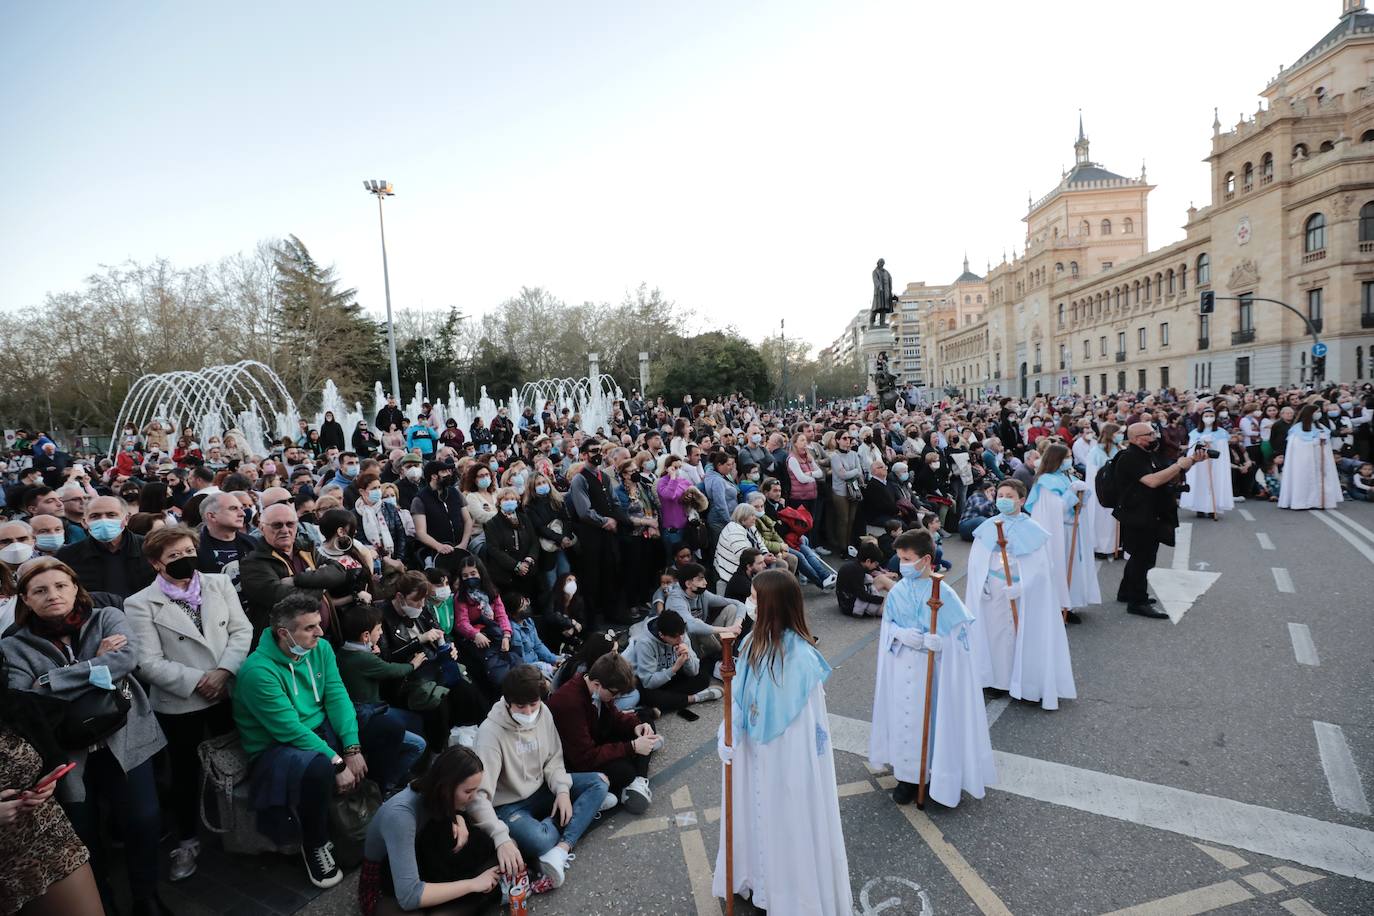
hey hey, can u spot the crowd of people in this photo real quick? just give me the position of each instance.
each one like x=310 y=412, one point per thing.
x=487 y=624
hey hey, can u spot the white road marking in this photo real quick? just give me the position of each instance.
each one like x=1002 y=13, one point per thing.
x=1292 y=837
x=1352 y=524
x=996 y=708
x=977 y=889
x=1295 y=876
x=1346 y=535
x=1263 y=883
x=1264 y=540
x=1190 y=903
x=1282 y=581
x=1183 y=545
x=1341 y=774
x=871 y=909
x=1178 y=589
x=699 y=873
x=1245 y=514
x=682 y=798
x=1225 y=857
x=1300 y=907
x=1304 y=650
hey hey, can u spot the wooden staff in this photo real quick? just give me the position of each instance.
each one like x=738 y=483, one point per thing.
x=1321 y=463
x=934 y=602
x=727 y=674
x=1006 y=570
x=1073 y=546
x=1212 y=488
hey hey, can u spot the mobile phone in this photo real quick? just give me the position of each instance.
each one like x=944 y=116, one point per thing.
x=52 y=777
x=688 y=715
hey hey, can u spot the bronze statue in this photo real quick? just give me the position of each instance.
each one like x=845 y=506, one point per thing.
x=883 y=298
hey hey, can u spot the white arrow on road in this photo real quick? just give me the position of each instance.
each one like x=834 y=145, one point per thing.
x=1202 y=564
x=1178 y=589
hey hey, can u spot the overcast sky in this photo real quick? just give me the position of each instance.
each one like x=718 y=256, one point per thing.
x=752 y=159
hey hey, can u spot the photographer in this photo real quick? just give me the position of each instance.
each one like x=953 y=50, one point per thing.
x=1147 y=508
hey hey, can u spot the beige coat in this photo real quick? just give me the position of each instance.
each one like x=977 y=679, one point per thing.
x=173 y=654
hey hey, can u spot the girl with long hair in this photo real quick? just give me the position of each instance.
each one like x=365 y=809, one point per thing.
x=1053 y=496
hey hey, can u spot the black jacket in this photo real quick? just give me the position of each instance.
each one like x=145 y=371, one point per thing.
x=388 y=415
x=1152 y=511
x=507 y=545
x=261 y=572
x=879 y=503
x=122 y=572
x=331 y=435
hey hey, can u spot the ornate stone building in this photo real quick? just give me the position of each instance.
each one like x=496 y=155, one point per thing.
x=1089 y=308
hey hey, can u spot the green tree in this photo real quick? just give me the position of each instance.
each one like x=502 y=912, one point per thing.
x=713 y=364
x=497 y=369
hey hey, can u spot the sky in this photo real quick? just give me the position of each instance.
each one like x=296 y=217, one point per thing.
x=750 y=159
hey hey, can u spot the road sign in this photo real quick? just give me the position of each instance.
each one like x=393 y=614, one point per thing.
x=1319 y=350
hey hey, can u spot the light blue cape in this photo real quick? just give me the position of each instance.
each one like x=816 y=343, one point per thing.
x=1024 y=535
x=768 y=698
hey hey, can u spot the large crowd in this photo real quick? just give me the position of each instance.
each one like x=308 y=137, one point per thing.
x=471 y=634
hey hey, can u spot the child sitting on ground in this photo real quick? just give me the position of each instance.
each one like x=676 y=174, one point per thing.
x=666 y=580
x=440 y=599
x=1273 y=478
x=525 y=642
x=861 y=586
x=931 y=522
x=1362 y=484
x=363 y=672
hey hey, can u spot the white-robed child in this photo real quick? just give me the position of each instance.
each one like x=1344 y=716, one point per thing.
x=1028 y=658
x=1209 y=482
x=959 y=756
x=1054 y=496
x=789 y=852
x=1309 y=469
x=1106 y=529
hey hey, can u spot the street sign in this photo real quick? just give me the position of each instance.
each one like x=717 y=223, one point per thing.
x=1319 y=350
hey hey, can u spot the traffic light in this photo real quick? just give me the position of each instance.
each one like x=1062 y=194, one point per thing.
x=1209 y=302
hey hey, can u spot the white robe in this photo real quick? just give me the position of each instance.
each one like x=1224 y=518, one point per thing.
x=1106 y=530
x=959 y=758
x=1303 y=459
x=1032 y=663
x=1209 y=477
x=788 y=841
x=1054 y=513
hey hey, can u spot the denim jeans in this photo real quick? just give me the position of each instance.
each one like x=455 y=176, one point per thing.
x=531 y=822
x=810 y=565
x=412 y=746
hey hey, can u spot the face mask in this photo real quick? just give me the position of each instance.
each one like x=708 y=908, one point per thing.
x=473 y=583
x=542 y=489
x=910 y=570
x=518 y=481
x=390 y=500
x=1006 y=505
x=524 y=719
x=756 y=438
x=413 y=473
x=411 y=612
x=935 y=466
x=651 y=465
x=494 y=465
x=308 y=517
x=1119 y=438
x=903 y=476
x=181 y=568
x=1333 y=413
x=570 y=588
x=374 y=496
x=106 y=529
x=295 y=649
x=1224 y=414
x=443 y=592
x=349 y=470
x=509 y=506
x=483 y=483
x=49 y=542
x=1208 y=421
x=16 y=553
x=754 y=475
x=594 y=460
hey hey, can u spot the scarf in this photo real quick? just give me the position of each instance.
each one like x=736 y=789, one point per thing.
x=188 y=598
x=55 y=631
x=375 y=529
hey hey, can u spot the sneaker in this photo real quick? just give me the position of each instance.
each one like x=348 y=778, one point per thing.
x=715 y=672
x=320 y=866
x=830 y=581
x=853 y=552
x=554 y=863
x=821 y=550
x=708 y=695
x=184 y=860
x=466 y=735
x=542 y=886
x=607 y=803
x=637 y=796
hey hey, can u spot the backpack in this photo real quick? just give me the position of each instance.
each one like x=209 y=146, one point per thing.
x=1105 y=482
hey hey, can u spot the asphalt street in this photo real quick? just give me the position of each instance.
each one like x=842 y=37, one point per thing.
x=1223 y=763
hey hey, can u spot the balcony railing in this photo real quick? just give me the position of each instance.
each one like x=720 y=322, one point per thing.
x=1203 y=343
x=1121 y=356
x=1243 y=337
x=1366 y=247
x=1318 y=255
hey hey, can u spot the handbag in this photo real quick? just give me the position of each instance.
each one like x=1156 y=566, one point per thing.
x=853 y=491
x=94 y=716
x=549 y=546
x=349 y=816
x=223 y=765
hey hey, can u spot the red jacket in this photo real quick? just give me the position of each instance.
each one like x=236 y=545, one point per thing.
x=589 y=740
x=796 y=521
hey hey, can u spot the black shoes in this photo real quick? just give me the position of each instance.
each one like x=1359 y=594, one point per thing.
x=1146 y=610
x=320 y=866
x=905 y=793
x=1073 y=617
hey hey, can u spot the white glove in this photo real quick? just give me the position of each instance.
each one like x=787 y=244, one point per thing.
x=1078 y=486
x=725 y=752
x=932 y=642
x=1012 y=591
x=909 y=638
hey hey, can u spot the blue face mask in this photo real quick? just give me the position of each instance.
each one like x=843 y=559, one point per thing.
x=543 y=489
x=509 y=505
x=1119 y=438
x=1006 y=505
x=374 y=496
x=910 y=570
x=903 y=476
x=106 y=530
x=518 y=481
x=295 y=649
x=349 y=470
x=49 y=542
x=483 y=483
x=494 y=465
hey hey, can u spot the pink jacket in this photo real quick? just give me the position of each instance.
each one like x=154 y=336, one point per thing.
x=467 y=614
x=670 y=490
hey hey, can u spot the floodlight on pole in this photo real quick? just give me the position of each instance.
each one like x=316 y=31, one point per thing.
x=380 y=189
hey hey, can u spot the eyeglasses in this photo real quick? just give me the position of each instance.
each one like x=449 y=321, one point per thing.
x=279 y=525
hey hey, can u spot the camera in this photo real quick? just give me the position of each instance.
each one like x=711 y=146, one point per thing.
x=1211 y=452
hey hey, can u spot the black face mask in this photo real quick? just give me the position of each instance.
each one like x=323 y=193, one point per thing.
x=594 y=460
x=181 y=568
x=1153 y=446
x=308 y=517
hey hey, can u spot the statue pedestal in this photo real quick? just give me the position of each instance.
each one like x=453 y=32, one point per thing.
x=877 y=339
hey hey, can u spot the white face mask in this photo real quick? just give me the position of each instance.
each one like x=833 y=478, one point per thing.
x=442 y=592
x=524 y=719
x=413 y=473
x=570 y=588
x=16 y=553
x=411 y=612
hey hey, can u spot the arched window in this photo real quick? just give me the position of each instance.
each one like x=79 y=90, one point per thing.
x=1106 y=227
x=967 y=300
x=1247 y=176
x=1159 y=284
x=1314 y=233
x=1147 y=290
x=1137 y=292
x=1084 y=228
x=980 y=298
x=1204 y=269
x=1059 y=267
x=1061 y=314
x=1169 y=277
x=1229 y=185
x=1183 y=278
x=1326 y=147
x=1267 y=168
x=1126 y=296
x=1367 y=222
x=1367 y=136
x=1128 y=225
x=1300 y=151
x=1073 y=268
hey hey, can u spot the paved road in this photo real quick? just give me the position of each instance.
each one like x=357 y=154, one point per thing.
x=1221 y=763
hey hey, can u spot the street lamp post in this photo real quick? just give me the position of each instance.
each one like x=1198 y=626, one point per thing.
x=381 y=189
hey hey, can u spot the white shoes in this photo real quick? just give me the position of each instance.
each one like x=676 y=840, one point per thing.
x=708 y=695
x=637 y=796
x=607 y=803
x=466 y=735
x=554 y=863
x=830 y=581
x=184 y=860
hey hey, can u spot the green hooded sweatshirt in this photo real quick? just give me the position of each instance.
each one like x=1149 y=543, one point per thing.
x=282 y=699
